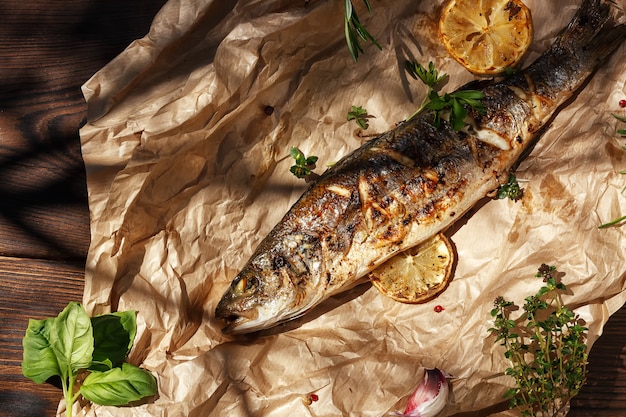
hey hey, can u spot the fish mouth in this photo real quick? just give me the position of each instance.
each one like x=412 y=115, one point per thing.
x=235 y=321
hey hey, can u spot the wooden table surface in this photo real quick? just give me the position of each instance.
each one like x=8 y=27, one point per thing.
x=48 y=49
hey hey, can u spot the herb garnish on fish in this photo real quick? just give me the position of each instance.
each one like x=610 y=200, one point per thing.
x=454 y=102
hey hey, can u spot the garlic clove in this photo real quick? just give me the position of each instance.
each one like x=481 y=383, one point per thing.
x=430 y=396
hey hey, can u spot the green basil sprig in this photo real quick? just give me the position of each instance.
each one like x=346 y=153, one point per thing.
x=73 y=343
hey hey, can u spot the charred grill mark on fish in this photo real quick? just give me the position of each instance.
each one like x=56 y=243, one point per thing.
x=410 y=183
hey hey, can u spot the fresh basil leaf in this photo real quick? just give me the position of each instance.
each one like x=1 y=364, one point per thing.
x=113 y=338
x=71 y=339
x=118 y=386
x=39 y=361
x=103 y=365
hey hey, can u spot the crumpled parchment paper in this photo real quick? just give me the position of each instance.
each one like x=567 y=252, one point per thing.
x=186 y=149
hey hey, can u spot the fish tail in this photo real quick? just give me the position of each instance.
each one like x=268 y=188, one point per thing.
x=589 y=38
x=591 y=34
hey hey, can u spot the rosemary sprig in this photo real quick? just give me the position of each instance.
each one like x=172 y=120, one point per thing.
x=621 y=119
x=620 y=219
x=546 y=348
x=455 y=103
x=355 y=31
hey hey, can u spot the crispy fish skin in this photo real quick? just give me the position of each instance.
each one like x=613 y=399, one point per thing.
x=405 y=185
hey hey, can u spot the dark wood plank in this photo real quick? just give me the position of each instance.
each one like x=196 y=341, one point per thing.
x=604 y=394
x=49 y=49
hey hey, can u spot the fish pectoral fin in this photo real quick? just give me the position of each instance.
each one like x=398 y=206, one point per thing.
x=417 y=274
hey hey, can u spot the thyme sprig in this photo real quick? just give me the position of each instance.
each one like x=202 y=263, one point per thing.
x=546 y=348
x=456 y=103
x=355 y=31
x=511 y=189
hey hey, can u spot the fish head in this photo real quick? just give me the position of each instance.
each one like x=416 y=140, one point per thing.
x=257 y=299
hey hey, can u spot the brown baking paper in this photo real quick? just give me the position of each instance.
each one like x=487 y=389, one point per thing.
x=187 y=155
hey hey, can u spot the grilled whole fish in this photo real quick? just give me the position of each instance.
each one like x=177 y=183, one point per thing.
x=408 y=184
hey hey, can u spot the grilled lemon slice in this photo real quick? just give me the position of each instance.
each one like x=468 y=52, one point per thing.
x=486 y=36
x=417 y=274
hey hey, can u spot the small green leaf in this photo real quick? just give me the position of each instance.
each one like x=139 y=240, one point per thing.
x=457 y=116
x=295 y=153
x=39 y=361
x=71 y=339
x=359 y=115
x=299 y=171
x=113 y=338
x=298 y=156
x=311 y=160
x=118 y=386
x=429 y=76
x=510 y=190
x=103 y=365
x=436 y=102
x=302 y=167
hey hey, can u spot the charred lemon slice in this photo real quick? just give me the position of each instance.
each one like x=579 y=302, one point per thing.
x=417 y=274
x=486 y=36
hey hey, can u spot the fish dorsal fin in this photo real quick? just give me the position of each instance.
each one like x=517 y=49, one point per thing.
x=417 y=274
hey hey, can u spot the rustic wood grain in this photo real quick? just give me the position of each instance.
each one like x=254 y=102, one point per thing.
x=48 y=49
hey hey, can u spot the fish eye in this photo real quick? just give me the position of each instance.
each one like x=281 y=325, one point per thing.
x=244 y=285
x=240 y=286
